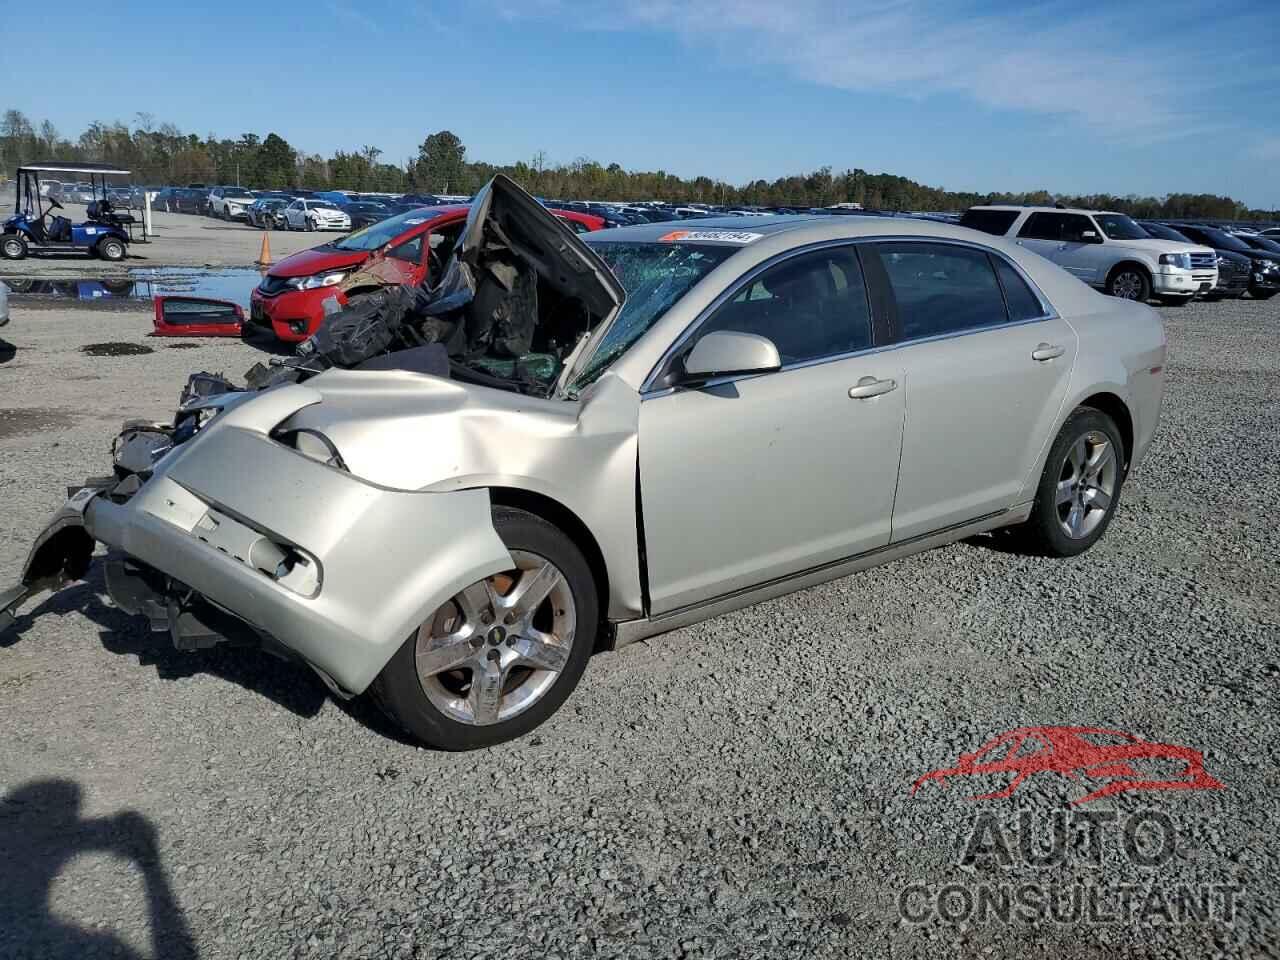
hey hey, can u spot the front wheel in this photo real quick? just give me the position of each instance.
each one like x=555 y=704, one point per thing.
x=502 y=655
x=1080 y=486
x=13 y=247
x=1129 y=283
x=111 y=248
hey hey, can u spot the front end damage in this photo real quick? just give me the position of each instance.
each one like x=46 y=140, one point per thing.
x=329 y=577
x=242 y=520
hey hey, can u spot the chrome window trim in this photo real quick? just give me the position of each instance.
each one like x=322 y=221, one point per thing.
x=647 y=390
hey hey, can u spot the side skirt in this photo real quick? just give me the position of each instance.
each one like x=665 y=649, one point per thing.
x=629 y=631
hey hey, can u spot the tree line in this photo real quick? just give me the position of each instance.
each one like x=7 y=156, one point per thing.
x=162 y=154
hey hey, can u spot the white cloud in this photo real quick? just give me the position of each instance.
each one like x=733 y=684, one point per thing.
x=1125 y=72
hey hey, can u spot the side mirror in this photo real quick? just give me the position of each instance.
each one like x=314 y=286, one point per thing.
x=727 y=352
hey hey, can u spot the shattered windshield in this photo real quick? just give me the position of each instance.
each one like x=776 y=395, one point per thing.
x=373 y=237
x=655 y=276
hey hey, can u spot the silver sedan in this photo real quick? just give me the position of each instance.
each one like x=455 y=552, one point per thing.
x=695 y=418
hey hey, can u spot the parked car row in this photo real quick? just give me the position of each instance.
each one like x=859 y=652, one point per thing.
x=1172 y=262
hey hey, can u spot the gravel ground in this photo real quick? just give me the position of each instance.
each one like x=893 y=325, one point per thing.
x=737 y=789
x=181 y=240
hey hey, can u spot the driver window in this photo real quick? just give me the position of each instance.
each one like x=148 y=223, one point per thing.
x=1074 y=226
x=811 y=306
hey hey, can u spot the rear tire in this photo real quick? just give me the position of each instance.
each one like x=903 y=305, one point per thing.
x=1079 y=489
x=1129 y=283
x=439 y=703
x=13 y=247
x=111 y=248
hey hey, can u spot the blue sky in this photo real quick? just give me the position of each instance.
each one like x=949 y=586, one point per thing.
x=1123 y=97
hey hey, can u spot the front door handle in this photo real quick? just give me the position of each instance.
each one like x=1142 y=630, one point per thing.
x=869 y=387
x=1047 y=351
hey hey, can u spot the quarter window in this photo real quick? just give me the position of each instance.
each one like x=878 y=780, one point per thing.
x=994 y=222
x=941 y=289
x=811 y=306
x=1022 y=303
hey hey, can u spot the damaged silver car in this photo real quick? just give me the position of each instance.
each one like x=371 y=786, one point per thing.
x=453 y=496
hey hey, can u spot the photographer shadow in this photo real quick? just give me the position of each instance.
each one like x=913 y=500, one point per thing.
x=41 y=831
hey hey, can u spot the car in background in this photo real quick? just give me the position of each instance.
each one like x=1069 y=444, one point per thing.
x=307 y=214
x=267 y=213
x=409 y=248
x=365 y=212
x=1107 y=250
x=1264 y=276
x=229 y=203
x=1271 y=232
x=1234 y=268
x=179 y=200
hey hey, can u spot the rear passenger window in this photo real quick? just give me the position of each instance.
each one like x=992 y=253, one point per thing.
x=1022 y=303
x=1043 y=226
x=941 y=289
x=811 y=306
x=994 y=222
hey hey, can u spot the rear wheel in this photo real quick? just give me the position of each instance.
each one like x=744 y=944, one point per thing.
x=13 y=247
x=1129 y=283
x=502 y=655
x=1080 y=486
x=111 y=248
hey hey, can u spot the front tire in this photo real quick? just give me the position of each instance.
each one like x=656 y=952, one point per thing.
x=13 y=247
x=1129 y=283
x=499 y=658
x=1080 y=487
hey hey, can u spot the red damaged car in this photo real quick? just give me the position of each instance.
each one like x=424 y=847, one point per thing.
x=404 y=249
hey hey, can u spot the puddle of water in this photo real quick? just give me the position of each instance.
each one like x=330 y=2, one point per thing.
x=143 y=283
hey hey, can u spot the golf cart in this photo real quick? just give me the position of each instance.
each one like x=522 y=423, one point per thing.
x=34 y=225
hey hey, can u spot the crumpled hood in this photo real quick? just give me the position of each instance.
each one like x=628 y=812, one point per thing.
x=318 y=260
x=410 y=431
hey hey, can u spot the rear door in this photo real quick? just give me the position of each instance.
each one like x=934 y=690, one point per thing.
x=1042 y=232
x=1083 y=249
x=986 y=364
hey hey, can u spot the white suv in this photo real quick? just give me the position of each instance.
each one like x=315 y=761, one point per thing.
x=1105 y=250
x=229 y=203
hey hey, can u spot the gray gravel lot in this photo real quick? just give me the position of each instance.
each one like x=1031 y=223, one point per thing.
x=736 y=789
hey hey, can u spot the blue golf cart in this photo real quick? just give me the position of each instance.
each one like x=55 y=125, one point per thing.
x=34 y=226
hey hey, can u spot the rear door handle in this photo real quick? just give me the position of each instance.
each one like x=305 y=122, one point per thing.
x=1047 y=351
x=869 y=387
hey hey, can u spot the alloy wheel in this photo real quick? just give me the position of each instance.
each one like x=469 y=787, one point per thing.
x=1127 y=286
x=1086 y=484
x=496 y=648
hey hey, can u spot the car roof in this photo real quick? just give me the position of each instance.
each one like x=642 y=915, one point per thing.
x=1013 y=207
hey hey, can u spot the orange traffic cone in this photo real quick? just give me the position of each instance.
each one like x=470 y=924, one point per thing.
x=264 y=258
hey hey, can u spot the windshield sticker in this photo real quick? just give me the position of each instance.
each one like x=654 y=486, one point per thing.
x=414 y=223
x=715 y=236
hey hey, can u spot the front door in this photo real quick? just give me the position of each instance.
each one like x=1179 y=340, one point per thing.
x=760 y=477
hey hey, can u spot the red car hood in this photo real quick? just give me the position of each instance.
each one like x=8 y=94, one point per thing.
x=318 y=260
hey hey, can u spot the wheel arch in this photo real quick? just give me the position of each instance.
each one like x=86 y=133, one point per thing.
x=1115 y=408
x=562 y=517
x=1130 y=262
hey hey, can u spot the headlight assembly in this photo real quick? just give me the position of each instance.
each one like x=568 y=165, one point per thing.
x=319 y=280
x=1180 y=260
